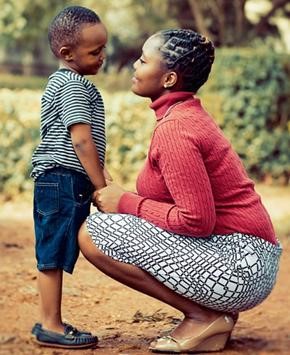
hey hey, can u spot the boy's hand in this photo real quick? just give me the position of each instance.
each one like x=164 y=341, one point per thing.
x=107 y=198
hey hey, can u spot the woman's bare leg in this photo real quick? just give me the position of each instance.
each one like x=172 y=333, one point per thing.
x=196 y=316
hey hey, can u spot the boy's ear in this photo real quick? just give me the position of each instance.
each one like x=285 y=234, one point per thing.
x=170 y=79
x=65 y=53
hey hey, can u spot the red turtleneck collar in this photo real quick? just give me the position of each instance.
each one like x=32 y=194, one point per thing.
x=164 y=102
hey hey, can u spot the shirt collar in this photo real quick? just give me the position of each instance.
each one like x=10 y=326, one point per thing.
x=162 y=105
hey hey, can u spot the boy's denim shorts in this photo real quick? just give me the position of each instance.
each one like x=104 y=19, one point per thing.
x=62 y=199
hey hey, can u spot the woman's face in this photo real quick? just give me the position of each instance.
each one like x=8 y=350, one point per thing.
x=150 y=70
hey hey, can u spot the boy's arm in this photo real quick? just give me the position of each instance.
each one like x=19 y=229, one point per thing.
x=87 y=153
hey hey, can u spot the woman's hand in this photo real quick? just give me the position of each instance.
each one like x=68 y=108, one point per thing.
x=107 y=198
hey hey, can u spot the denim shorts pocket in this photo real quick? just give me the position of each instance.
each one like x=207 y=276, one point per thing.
x=82 y=191
x=83 y=197
x=46 y=198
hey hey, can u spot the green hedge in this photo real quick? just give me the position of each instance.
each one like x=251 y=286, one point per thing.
x=129 y=126
x=248 y=95
x=19 y=132
x=254 y=107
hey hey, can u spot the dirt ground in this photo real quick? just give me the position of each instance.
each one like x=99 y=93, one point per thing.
x=124 y=320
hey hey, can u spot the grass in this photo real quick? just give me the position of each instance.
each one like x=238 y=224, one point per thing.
x=111 y=81
x=14 y=82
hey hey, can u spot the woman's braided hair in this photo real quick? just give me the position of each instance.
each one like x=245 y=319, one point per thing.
x=189 y=54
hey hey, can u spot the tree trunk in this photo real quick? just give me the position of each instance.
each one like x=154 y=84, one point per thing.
x=198 y=16
x=239 y=7
x=277 y=4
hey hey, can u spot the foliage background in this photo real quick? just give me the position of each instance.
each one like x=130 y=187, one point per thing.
x=250 y=104
x=247 y=93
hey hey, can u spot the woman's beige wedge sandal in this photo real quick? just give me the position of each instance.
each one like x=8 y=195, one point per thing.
x=213 y=338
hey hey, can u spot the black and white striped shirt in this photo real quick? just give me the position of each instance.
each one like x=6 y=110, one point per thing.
x=69 y=98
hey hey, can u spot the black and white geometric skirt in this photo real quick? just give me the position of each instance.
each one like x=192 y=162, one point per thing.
x=229 y=273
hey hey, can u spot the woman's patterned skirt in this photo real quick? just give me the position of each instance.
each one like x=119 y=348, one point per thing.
x=229 y=273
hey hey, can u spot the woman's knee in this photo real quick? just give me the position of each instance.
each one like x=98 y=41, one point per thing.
x=85 y=242
x=82 y=235
x=90 y=250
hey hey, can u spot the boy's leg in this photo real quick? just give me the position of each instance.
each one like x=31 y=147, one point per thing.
x=59 y=210
x=52 y=332
x=50 y=294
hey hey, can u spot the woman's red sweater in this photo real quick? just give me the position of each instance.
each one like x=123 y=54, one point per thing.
x=193 y=183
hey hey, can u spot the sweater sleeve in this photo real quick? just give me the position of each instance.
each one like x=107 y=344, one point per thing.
x=181 y=166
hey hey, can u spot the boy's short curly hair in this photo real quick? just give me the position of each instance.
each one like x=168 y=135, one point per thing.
x=66 y=26
x=188 y=53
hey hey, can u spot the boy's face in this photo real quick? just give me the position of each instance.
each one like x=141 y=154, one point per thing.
x=88 y=55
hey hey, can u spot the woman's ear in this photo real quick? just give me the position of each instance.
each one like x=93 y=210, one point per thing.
x=65 y=53
x=170 y=79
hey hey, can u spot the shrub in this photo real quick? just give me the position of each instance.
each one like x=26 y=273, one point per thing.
x=18 y=137
x=129 y=126
x=248 y=95
x=253 y=108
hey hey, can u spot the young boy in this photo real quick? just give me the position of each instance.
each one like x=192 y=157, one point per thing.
x=67 y=164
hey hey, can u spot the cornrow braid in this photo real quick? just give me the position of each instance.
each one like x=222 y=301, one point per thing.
x=190 y=54
x=65 y=28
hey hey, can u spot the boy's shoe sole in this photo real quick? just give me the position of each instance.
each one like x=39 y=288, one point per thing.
x=38 y=326
x=63 y=346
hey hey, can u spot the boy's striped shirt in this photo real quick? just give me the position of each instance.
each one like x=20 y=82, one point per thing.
x=69 y=98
